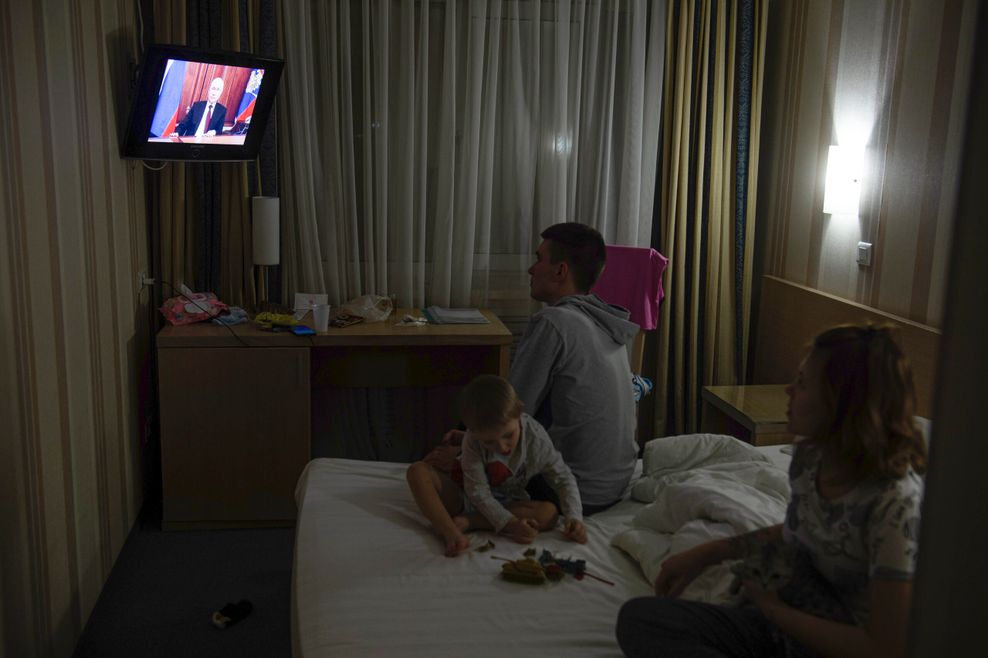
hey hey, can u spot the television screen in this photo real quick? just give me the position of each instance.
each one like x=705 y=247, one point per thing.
x=196 y=104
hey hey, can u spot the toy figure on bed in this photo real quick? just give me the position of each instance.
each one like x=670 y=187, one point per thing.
x=502 y=450
x=841 y=581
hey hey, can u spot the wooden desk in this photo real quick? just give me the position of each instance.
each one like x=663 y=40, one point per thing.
x=236 y=406
x=756 y=413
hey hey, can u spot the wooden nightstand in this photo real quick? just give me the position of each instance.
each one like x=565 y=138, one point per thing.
x=755 y=413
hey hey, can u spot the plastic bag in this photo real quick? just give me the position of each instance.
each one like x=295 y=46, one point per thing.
x=192 y=307
x=372 y=308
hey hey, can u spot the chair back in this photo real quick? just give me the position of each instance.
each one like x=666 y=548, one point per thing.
x=632 y=279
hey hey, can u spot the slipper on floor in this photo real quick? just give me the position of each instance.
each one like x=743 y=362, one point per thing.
x=231 y=613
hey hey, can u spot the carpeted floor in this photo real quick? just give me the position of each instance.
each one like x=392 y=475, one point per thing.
x=165 y=586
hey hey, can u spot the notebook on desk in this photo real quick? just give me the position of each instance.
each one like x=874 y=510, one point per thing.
x=441 y=315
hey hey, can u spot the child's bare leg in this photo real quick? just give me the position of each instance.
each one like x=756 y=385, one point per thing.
x=475 y=521
x=472 y=521
x=438 y=498
x=541 y=511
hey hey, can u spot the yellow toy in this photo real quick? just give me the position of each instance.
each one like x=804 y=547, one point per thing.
x=526 y=570
x=269 y=321
x=547 y=567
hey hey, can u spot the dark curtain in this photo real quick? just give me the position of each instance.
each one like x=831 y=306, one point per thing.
x=705 y=214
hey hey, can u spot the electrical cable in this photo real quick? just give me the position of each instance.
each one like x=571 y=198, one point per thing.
x=140 y=22
x=204 y=310
x=229 y=327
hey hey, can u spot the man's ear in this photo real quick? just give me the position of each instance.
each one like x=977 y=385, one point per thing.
x=562 y=270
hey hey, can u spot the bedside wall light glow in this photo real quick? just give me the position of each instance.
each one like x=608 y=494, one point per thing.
x=843 y=188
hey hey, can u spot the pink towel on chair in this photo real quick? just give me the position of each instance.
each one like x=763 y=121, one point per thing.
x=633 y=279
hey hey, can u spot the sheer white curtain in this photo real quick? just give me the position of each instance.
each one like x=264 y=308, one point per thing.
x=427 y=143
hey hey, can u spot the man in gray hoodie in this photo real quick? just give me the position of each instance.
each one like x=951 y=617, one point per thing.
x=571 y=366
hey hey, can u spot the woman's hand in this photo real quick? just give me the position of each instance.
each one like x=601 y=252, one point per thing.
x=766 y=600
x=681 y=569
x=574 y=530
x=522 y=531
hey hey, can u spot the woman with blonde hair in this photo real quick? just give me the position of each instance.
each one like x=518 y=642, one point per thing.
x=850 y=532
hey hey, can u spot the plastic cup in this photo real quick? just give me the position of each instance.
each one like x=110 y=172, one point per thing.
x=320 y=317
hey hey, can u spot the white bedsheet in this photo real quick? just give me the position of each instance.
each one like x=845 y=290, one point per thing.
x=370 y=578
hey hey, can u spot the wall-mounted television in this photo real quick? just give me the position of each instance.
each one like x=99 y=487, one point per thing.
x=197 y=104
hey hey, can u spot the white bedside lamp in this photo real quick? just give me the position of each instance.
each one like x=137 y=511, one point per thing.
x=266 y=239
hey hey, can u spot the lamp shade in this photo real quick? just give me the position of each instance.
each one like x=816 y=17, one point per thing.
x=266 y=236
x=843 y=186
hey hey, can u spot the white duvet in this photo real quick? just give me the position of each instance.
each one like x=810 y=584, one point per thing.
x=700 y=487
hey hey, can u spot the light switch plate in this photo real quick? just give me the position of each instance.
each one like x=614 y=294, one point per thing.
x=864 y=253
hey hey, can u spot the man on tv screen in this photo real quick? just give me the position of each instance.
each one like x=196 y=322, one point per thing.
x=205 y=118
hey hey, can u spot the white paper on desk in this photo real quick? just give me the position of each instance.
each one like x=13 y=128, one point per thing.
x=304 y=301
x=441 y=315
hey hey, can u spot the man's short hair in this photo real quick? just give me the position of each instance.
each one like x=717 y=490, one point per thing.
x=582 y=247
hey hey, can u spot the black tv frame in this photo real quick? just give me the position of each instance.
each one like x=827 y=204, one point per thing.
x=134 y=143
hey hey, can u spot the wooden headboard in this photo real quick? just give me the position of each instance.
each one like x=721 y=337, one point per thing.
x=790 y=315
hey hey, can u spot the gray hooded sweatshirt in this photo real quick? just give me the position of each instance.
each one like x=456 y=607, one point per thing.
x=571 y=371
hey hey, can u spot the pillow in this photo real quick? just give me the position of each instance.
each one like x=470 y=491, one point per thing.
x=687 y=451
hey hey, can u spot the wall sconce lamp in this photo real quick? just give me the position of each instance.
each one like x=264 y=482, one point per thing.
x=843 y=189
x=265 y=239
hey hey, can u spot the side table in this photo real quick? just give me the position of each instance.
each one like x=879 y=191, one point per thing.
x=755 y=413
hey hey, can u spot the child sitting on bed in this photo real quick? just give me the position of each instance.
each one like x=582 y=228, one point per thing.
x=852 y=519
x=502 y=450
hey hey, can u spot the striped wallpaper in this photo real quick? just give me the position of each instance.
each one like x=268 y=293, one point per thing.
x=73 y=329
x=73 y=332
x=891 y=75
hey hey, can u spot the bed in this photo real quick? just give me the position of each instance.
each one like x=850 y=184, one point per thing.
x=370 y=578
